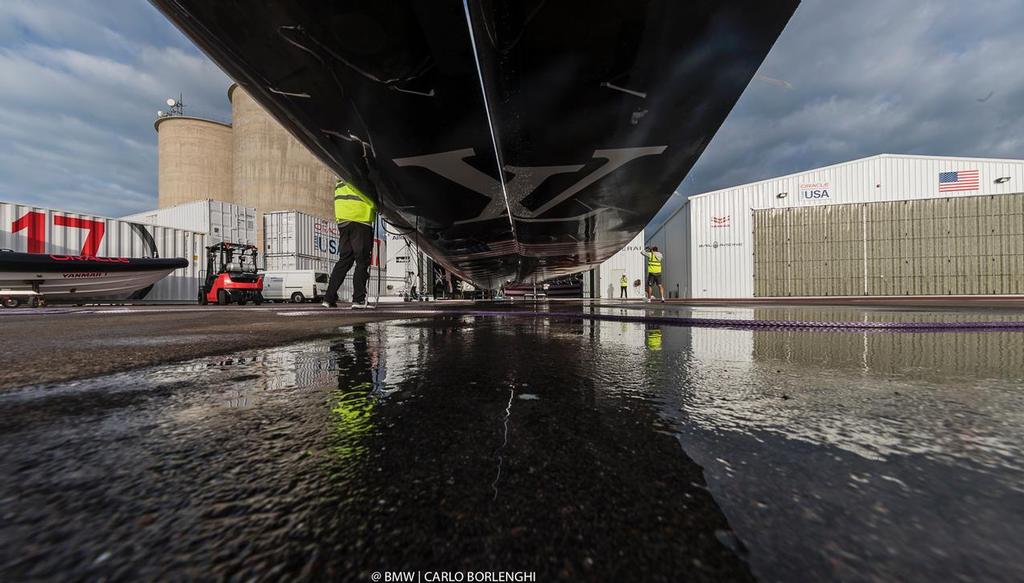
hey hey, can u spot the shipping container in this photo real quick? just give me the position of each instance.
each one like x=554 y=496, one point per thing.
x=30 y=229
x=721 y=224
x=305 y=236
x=220 y=221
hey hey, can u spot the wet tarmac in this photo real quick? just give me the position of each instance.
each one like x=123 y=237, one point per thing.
x=569 y=448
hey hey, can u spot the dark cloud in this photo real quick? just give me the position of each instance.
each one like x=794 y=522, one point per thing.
x=80 y=84
x=854 y=79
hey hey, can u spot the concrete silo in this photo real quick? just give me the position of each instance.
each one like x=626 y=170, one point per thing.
x=194 y=157
x=272 y=171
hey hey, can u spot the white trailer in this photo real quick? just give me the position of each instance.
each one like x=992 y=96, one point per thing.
x=296 y=286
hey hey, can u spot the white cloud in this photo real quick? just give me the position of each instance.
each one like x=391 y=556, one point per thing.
x=80 y=83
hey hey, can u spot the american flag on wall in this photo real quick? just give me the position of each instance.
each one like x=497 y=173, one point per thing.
x=958 y=181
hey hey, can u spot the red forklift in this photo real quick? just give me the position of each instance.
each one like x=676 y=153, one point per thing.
x=231 y=276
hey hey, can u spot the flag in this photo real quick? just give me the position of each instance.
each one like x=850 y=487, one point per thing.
x=958 y=181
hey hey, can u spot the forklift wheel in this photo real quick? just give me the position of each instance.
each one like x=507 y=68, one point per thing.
x=11 y=302
x=222 y=297
x=202 y=299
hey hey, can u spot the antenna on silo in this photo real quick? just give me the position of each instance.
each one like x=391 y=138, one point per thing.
x=177 y=107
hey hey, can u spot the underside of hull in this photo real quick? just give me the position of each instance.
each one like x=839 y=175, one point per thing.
x=518 y=140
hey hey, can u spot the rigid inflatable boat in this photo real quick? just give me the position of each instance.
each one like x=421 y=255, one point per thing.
x=63 y=278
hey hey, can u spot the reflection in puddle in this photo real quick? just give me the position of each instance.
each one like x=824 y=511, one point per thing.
x=846 y=456
x=504 y=440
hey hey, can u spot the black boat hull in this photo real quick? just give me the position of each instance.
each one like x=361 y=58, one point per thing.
x=594 y=111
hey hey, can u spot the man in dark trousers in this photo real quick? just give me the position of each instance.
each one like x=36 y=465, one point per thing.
x=623 y=286
x=355 y=213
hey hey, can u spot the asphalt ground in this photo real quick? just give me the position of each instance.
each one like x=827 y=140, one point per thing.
x=48 y=345
x=572 y=449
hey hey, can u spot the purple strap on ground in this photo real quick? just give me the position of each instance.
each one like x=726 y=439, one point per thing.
x=747 y=324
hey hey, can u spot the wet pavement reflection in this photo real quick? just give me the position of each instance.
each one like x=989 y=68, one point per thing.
x=572 y=449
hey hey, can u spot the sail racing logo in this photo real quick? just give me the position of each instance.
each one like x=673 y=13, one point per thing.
x=718 y=222
x=815 y=190
x=716 y=245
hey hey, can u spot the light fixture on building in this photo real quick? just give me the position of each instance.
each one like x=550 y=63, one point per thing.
x=1002 y=180
x=782 y=195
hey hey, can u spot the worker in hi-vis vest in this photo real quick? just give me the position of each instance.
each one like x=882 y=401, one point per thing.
x=623 y=286
x=355 y=213
x=654 y=261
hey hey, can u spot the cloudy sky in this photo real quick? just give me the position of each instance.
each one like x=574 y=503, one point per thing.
x=81 y=80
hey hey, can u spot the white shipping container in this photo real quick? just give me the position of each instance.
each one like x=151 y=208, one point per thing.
x=306 y=236
x=221 y=221
x=30 y=229
x=294 y=262
x=629 y=262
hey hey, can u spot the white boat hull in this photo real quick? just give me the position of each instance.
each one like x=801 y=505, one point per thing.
x=76 y=285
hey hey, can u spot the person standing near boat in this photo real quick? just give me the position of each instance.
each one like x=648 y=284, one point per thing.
x=654 y=262
x=355 y=213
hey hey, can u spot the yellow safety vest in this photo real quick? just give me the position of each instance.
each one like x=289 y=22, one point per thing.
x=653 y=263
x=352 y=205
x=653 y=338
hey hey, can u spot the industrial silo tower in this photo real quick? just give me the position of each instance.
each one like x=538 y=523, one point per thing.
x=272 y=171
x=194 y=158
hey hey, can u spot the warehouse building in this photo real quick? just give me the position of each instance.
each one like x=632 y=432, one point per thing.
x=605 y=281
x=888 y=225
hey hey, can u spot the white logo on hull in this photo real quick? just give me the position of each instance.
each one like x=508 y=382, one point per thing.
x=526 y=179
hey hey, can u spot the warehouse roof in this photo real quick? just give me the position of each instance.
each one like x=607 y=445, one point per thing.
x=848 y=163
x=820 y=168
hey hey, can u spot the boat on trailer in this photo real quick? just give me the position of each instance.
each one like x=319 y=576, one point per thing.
x=75 y=278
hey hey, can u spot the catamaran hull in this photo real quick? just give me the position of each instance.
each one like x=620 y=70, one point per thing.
x=511 y=139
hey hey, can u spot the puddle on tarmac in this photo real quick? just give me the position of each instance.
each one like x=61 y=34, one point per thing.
x=533 y=445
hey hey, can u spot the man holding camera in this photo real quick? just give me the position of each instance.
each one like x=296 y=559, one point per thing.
x=654 y=263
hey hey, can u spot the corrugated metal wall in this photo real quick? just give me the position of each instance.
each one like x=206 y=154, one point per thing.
x=948 y=246
x=722 y=245
x=221 y=221
x=630 y=262
x=673 y=239
x=29 y=229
